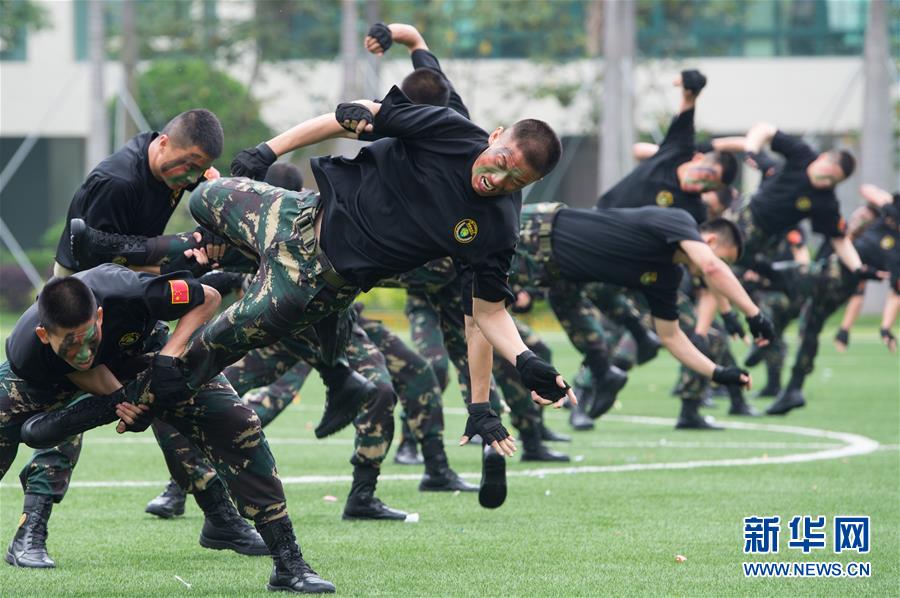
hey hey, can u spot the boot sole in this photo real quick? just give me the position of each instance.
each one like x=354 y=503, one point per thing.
x=272 y=588
x=492 y=492
x=785 y=410
x=9 y=558
x=226 y=545
x=601 y=407
x=327 y=428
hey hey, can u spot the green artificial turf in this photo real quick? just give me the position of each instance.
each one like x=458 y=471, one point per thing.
x=613 y=532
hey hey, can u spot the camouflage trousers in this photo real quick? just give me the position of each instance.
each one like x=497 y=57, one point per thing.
x=833 y=285
x=756 y=240
x=692 y=386
x=425 y=330
x=288 y=293
x=525 y=414
x=228 y=434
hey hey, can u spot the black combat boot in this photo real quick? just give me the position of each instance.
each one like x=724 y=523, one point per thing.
x=606 y=389
x=492 y=490
x=534 y=449
x=790 y=398
x=407 y=452
x=438 y=476
x=91 y=247
x=690 y=418
x=578 y=418
x=29 y=546
x=648 y=343
x=362 y=504
x=168 y=504
x=739 y=405
x=290 y=572
x=548 y=435
x=223 y=527
x=773 y=382
x=346 y=392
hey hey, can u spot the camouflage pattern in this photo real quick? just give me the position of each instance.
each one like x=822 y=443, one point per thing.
x=693 y=385
x=425 y=331
x=533 y=263
x=833 y=285
x=756 y=240
x=170 y=247
x=228 y=434
x=186 y=463
x=525 y=414
x=288 y=293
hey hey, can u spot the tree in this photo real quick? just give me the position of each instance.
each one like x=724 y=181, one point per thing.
x=17 y=17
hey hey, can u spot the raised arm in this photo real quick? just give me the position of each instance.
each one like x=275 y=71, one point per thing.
x=759 y=136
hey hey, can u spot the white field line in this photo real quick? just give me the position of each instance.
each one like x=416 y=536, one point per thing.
x=853 y=445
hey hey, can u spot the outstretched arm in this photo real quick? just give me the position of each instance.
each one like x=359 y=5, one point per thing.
x=719 y=276
x=875 y=196
x=759 y=135
x=316 y=130
x=681 y=347
x=401 y=33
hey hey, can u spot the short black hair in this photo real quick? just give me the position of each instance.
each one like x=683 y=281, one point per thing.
x=285 y=175
x=729 y=166
x=726 y=230
x=847 y=162
x=198 y=127
x=426 y=86
x=538 y=142
x=65 y=303
x=726 y=196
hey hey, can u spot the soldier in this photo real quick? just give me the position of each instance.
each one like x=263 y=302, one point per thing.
x=88 y=333
x=640 y=248
x=834 y=283
x=135 y=191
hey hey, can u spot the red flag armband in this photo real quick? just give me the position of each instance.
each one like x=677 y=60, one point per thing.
x=180 y=291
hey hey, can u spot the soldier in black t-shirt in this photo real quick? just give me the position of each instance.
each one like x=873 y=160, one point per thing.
x=833 y=284
x=675 y=174
x=641 y=249
x=432 y=185
x=89 y=333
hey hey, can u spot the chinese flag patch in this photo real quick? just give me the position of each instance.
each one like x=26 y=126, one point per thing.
x=180 y=292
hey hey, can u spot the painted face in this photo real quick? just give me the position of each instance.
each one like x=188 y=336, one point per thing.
x=501 y=169
x=700 y=177
x=77 y=347
x=180 y=168
x=824 y=173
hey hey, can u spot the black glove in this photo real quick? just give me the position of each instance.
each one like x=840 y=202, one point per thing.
x=253 y=162
x=889 y=339
x=382 y=35
x=843 y=336
x=761 y=327
x=693 y=81
x=167 y=381
x=141 y=422
x=867 y=273
x=732 y=324
x=224 y=282
x=729 y=375
x=484 y=421
x=352 y=113
x=208 y=237
x=185 y=263
x=539 y=376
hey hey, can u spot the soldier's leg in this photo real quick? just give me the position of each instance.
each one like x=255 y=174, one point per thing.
x=19 y=401
x=692 y=385
x=419 y=393
x=581 y=320
x=285 y=297
x=617 y=304
x=833 y=287
x=425 y=331
x=231 y=438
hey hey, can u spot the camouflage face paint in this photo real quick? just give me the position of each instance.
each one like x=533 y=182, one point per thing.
x=495 y=173
x=183 y=171
x=79 y=350
x=700 y=178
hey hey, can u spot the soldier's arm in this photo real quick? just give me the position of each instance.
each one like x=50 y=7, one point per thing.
x=681 y=347
x=315 y=130
x=98 y=381
x=875 y=196
x=846 y=252
x=719 y=276
x=759 y=135
x=888 y=317
x=191 y=321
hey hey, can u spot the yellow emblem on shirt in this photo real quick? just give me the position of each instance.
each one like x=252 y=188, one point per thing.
x=887 y=242
x=803 y=203
x=648 y=278
x=465 y=231
x=664 y=199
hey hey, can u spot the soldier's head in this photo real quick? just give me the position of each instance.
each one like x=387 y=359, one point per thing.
x=724 y=238
x=707 y=172
x=515 y=158
x=185 y=148
x=426 y=86
x=718 y=201
x=70 y=321
x=830 y=168
x=285 y=175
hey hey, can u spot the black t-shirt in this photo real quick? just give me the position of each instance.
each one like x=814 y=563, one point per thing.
x=879 y=246
x=132 y=303
x=631 y=247
x=120 y=195
x=423 y=59
x=654 y=182
x=788 y=197
x=407 y=199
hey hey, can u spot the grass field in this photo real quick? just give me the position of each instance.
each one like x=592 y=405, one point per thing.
x=612 y=525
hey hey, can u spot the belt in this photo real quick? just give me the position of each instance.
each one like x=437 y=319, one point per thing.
x=305 y=225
